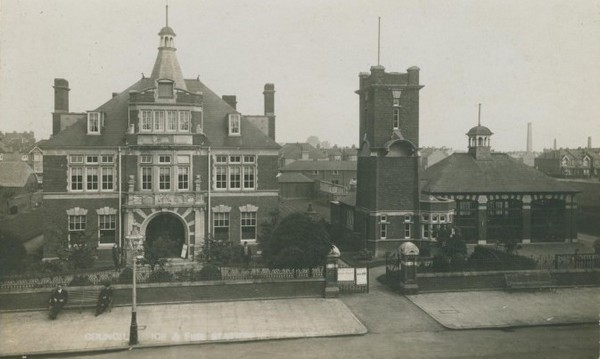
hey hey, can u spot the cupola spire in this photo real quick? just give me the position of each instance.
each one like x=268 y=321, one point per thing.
x=166 y=66
x=479 y=140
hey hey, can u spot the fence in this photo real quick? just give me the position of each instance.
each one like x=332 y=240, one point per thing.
x=352 y=279
x=577 y=261
x=170 y=274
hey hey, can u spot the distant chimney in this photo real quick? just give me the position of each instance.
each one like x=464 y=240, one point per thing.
x=115 y=94
x=589 y=141
x=231 y=100
x=555 y=144
x=61 y=95
x=269 y=93
x=529 y=141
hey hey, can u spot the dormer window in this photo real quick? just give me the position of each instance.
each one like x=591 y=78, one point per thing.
x=94 y=122
x=234 y=124
x=396 y=95
x=165 y=89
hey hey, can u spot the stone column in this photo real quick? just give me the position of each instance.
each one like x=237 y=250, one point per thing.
x=482 y=219
x=409 y=254
x=570 y=220
x=331 y=286
x=199 y=230
x=526 y=216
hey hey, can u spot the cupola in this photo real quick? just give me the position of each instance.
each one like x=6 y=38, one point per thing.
x=166 y=66
x=479 y=140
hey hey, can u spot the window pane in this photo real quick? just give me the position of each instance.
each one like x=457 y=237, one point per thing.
x=221 y=226
x=92 y=178
x=147 y=120
x=249 y=177
x=147 y=178
x=235 y=177
x=159 y=120
x=77 y=178
x=184 y=121
x=172 y=120
x=107 y=178
x=221 y=177
x=183 y=175
x=164 y=180
x=248 y=223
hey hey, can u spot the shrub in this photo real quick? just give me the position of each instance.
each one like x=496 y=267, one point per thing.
x=597 y=246
x=160 y=276
x=12 y=253
x=208 y=272
x=484 y=258
x=80 y=281
x=126 y=276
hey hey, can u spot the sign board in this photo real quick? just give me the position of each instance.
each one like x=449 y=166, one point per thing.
x=361 y=276
x=345 y=274
x=184 y=251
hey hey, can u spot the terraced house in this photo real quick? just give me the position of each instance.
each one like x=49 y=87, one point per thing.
x=167 y=155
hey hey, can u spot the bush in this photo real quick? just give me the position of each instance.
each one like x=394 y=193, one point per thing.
x=484 y=258
x=160 y=276
x=12 y=253
x=126 y=276
x=597 y=246
x=80 y=281
x=209 y=272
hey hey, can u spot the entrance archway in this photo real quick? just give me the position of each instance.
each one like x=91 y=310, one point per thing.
x=167 y=231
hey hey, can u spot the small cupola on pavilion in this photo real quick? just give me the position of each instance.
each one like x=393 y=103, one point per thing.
x=479 y=141
x=166 y=67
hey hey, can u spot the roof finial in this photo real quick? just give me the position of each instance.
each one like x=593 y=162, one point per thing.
x=167 y=13
x=479 y=116
x=378 y=40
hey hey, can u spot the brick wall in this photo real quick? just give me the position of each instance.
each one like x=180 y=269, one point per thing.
x=267 y=173
x=55 y=173
x=397 y=184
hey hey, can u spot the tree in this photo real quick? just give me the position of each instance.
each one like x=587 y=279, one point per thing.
x=157 y=251
x=12 y=253
x=296 y=242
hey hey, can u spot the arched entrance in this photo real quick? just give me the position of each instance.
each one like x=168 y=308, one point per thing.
x=167 y=233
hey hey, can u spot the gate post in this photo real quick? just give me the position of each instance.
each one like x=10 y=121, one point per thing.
x=331 y=286
x=409 y=254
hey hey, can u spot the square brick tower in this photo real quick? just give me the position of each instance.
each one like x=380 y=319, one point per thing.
x=387 y=199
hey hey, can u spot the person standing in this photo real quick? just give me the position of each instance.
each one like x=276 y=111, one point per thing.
x=115 y=256
x=246 y=254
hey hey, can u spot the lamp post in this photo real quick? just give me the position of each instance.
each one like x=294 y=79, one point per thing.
x=135 y=244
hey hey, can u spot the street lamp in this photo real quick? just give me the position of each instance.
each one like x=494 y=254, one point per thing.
x=136 y=245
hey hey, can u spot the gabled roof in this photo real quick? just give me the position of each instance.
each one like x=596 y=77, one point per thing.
x=293 y=177
x=294 y=151
x=116 y=114
x=14 y=173
x=462 y=173
x=320 y=166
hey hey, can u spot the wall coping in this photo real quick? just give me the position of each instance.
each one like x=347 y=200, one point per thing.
x=484 y=273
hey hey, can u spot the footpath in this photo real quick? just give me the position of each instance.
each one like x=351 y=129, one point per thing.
x=498 y=309
x=29 y=333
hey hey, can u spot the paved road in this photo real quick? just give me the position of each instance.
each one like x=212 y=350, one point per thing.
x=399 y=329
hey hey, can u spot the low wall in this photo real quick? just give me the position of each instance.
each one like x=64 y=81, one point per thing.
x=494 y=280
x=37 y=299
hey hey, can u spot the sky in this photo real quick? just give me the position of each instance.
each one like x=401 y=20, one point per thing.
x=525 y=61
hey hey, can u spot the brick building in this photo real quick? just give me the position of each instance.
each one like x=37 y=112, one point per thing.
x=570 y=162
x=166 y=155
x=388 y=208
x=500 y=197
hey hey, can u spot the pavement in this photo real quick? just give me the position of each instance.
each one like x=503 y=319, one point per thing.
x=28 y=333
x=497 y=309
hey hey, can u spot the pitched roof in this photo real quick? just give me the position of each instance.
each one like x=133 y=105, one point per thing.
x=320 y=166
x=293 y=177
x=294 y=151
x=215 y=112
x=462 y=173
x=14 y=173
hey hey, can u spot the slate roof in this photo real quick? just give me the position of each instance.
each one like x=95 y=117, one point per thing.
x=320 y=166
x=577 y=153
x=462 y=173
x=294 y=151
x=349 y=199
x=293 y=177
x=115 y=123
x=14 y=173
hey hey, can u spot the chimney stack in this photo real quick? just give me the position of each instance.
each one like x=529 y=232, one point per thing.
x=269 y=93
x=61 y=95
x=529 y=140
x=589 y=141
x=555 y=144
